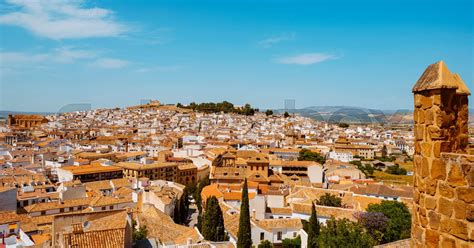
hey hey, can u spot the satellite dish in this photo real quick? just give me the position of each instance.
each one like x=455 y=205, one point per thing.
x=85 y=225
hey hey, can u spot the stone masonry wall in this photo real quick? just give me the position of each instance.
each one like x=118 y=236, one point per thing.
x=443 y=207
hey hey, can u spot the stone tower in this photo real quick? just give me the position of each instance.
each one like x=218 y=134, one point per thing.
x=443 y=207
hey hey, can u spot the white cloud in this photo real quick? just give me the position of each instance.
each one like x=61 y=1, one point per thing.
x=271 y=41
x=9 y=58
x=158 y=69
x=306 y=58
x=62 y=19
x=58 y=55
x=69 y=54
x=110 y=63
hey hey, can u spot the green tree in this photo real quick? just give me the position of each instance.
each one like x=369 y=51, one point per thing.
x=367 y=169
x=396 y=170
x=313 y=228
x=286 y=114
x=329 y=200
x=244 y=236
x=140 y=233
x=265 y=244
x=292 y=243
x=197 y=197
x=344 y=233
x=343 y=125
x=213 y=223
x=308 y=155
x=182 y=209
x=399 y=219
x=269 y=112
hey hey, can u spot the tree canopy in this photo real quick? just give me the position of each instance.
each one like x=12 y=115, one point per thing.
x=308 y=155
x=265 y=244
x=329 y=200
x=344 y=233
x=375 y=223
x=225 y=106
x=399 y=220
x=292 y=243
x=396 y=170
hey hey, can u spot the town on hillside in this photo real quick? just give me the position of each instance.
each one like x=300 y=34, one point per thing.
x=219 y=175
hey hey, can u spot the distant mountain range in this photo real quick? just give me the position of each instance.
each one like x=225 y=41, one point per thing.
x=350 y=114
x=358 y=115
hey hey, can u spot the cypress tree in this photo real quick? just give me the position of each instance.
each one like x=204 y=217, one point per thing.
x=313 y=228
x=244 y=239
x=213 y=221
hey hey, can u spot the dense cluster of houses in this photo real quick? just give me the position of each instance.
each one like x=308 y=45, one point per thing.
x=82 y=178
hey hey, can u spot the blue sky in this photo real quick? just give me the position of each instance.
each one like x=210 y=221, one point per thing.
x=114 y=53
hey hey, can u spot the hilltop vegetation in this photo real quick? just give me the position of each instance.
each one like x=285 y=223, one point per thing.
x=226 y=107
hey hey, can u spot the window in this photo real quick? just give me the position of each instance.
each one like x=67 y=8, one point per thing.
x=294 y=234
x=279 y=234
x=262 y=236
x=43 y=212
x=61 y=210
x=103 y=208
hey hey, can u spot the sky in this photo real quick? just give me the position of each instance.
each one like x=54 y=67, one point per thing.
x=320 y=53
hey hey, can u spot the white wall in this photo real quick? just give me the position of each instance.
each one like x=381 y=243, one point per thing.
x=315 y=174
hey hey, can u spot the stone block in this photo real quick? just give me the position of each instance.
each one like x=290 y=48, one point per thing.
x=460 y=209
x=456 y=176
x=425 y=167
x=470 y=175
x=438 y=169
x=417 y=100
x=429 y=117
x=434 y=219
x=435 y=133
x=419 y=116
x=445 y=224
x=445 y=206
x=418 y=233
x=465 y=194
x=447 y=242
x=426 y=102
x=423 y=221
x=430 y=202
x=445 y=190
x=458 y=229
x=430 y=186
x=439 y=147
x=432 y=238
x=420 y=132
x=470 y=213
x=426 y=148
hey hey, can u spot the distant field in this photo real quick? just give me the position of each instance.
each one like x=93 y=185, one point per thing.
x=395 y=179
x=407 y=166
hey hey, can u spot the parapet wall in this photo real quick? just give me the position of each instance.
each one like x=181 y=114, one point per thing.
x=445 y=206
